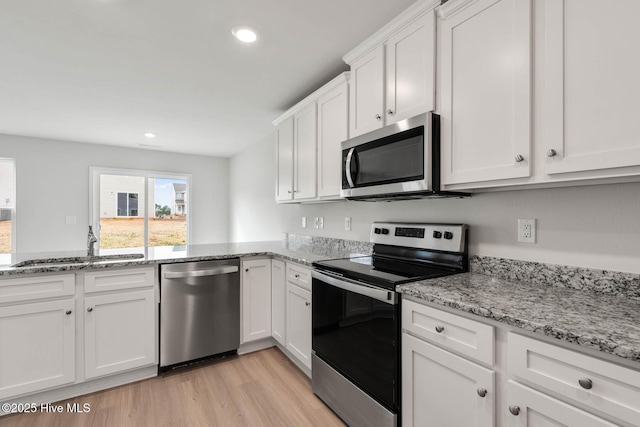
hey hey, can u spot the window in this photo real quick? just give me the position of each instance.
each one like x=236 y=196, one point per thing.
x=135 y=209
x=7 y=206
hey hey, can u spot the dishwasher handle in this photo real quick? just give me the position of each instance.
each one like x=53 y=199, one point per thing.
x=227 y=269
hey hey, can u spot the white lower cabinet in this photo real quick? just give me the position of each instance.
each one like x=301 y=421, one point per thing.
x=37 y=346
x=440 y=388
x=529 y=408
x=255 y=291
x=119 y=332
x=299 y=323
x=278 y=301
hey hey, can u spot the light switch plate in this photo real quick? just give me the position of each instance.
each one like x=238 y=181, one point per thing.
x=321 y=222
x=347 y=223
x=316 y=222
x=304 y=222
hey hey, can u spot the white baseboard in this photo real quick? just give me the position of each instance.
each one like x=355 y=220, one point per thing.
x=252 y=346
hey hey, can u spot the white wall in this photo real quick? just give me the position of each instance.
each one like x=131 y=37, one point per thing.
x=595 y=226
x=52 y=181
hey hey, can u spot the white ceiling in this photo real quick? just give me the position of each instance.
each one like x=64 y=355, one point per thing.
x=106 y=71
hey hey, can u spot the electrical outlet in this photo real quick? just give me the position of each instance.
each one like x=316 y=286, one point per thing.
x=347 y=223
x=304 y=222
x=316 y=222
x=321 y=222
x=527 y=230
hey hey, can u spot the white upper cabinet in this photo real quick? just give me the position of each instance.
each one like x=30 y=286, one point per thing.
x=367 y=93
x=410 y=70
x=591 y=85
x=333 y=128
x=284 y=159
x=308 y=144
x=304 y=153
x=393 y=72
x=485 y=64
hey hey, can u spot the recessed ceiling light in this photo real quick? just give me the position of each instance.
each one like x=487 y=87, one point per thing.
x=245 y=34
x=150 y=135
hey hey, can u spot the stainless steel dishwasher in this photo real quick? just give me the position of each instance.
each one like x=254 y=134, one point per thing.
x=199 y=310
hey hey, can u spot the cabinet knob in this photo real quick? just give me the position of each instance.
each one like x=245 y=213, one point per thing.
x=585 y=383
x=90 y=309
x=378 y=117
x=307 y=303
x=551 y=152
x=439 y=329
x=514 y=409
x=482 y=392
x=246 y=269
x=289 y=191
x=519 y=158
x=68 y=312
x=297 y=276
x=390 y=112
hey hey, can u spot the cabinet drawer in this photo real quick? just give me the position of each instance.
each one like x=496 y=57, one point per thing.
x=537 y=409
x=31 y=288
x=299 y=276
x=615 y=390
x=110 y=280
x=465 y=336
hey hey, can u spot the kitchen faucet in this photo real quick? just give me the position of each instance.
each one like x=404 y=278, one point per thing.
x=91 y=242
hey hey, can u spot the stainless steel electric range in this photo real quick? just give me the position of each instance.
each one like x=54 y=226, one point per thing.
x=356 y=316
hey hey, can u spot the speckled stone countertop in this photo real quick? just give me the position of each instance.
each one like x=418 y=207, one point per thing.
x=609 y=322
x=298 y=249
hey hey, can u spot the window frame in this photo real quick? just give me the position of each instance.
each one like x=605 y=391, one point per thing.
x=14 y=207
x=94 y=196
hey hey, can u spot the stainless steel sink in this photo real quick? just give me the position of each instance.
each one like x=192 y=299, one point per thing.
x=50 y=262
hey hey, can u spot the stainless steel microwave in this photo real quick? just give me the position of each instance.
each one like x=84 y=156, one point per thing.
x=399 y=161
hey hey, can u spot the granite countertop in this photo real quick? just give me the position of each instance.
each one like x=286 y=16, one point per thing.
x=299 y=252
x=606 y=322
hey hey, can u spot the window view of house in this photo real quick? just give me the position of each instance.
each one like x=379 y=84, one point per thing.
x=7 y=205
x=138 y=211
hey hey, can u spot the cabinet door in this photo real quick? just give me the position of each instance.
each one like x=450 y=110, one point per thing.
x=299 y=323
x=442 y=389
x=119 y=332
x=256 y=299
x=410 y=65
x=304 y=153
x=333 y=128
x=535 y=409
x=486 y=91
x=591 y=85
x=366 y=93
x=284 y=161
x=278 y=301
x=37 y=347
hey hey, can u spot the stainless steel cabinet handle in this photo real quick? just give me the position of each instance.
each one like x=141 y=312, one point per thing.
x=482 y=392
x=378 y=117
x=90 y=309
x=514 y=409
x=551 y=152
x=199 y=273
x=439 y=329
x=68 y=312
x=307 y=303
x=519 y=158
x=390 y=112
x=585 y=383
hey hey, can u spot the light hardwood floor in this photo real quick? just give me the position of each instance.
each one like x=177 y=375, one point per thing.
x=258 y=389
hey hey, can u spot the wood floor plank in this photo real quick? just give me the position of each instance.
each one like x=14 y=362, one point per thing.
x=258 y=389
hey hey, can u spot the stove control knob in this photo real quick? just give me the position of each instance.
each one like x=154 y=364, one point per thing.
x=385 y=231
x=448 y=235
x=376 y=230
x=437 y=234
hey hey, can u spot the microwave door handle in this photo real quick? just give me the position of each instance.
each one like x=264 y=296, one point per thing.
x=347 y=167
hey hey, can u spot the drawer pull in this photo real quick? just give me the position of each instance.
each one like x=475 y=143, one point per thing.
x=482 y=392
x=297 y=276
x=90 y=309
x=439 y=329
x=585 y=383
x=68 y=312
x=514 y=409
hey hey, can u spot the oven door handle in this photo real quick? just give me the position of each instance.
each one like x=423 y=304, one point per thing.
x=388 y=297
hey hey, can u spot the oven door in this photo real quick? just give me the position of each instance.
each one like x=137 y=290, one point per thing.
x=356 y=332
